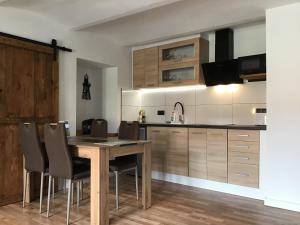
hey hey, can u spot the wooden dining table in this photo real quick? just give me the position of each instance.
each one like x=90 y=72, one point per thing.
x=100 y=151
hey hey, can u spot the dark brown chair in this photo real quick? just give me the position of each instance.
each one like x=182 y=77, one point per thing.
x=99 y=128
x=128 y=131
x=35 y=155
x=61 y=163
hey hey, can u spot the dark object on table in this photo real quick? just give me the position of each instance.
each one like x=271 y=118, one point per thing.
x=87 y=126
x=99 y=128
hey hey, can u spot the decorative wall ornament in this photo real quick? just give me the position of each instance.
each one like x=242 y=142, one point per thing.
x=86 y=94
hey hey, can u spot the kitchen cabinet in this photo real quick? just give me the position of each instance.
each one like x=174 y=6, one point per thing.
x=179 y=63
x=145 y=68
x=177 y=151
x=159 y=143
x=174 y=64
x=169 y=149
x=197 y=153
x=243 y=157
x=217 y=155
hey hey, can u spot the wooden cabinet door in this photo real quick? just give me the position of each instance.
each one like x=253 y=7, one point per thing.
x=151 y=67
x=197 y=153
x=158 y=137
x=177 y=151
x=138 y=69
x=217 y=155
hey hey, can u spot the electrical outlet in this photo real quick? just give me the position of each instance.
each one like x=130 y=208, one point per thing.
x=161 y=112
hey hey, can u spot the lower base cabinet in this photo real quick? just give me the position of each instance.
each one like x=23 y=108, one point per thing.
x=217 y=155
x=228 y=156
x=169 y=149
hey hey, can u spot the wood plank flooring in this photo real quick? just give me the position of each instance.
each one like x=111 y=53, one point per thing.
x=173 y=204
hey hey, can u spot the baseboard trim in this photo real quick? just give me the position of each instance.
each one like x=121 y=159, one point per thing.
x=293 y=206
x=210 y=185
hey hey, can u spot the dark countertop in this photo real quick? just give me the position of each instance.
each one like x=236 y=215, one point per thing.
x=225 y=126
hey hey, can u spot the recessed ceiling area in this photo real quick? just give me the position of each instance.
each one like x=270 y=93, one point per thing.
x=185 y=18
x=81 y=13
x=137 y=22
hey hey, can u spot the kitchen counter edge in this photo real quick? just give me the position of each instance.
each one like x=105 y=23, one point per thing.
x=229 y=126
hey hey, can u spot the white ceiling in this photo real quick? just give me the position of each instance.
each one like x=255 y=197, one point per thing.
x=133 y=22
x=81 y=13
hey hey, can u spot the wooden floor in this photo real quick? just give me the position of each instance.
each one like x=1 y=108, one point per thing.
x=173 y=204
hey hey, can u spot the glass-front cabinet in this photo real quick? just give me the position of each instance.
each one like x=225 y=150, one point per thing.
x=180 y=74
x=179 y=52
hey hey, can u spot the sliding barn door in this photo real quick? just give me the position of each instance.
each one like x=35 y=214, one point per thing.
x=28 y=92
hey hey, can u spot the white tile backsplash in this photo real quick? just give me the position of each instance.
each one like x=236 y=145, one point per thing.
x=243 y=113
x=130 y=113
x=212 y=105
x=214 y=114
x=187 y=98
x=151 y=114
x=252 y=92
x=153 y=99
x=132 y=98
x=211 y=95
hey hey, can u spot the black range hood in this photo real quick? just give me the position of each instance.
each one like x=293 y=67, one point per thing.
x=225 y=69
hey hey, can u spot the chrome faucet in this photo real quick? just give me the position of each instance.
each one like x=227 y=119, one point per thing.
x=180 y=117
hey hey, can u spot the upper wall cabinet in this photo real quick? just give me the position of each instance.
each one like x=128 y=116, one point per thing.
x=173 y=64
x=145 y=68
x=179 y=52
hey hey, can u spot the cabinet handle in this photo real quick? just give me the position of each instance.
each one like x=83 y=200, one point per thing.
x=198 y=132
x=176 y=132
x=243 y=174
x=243 y=135
x=155 y=131
x=242 y=146
x=244 y=158
x=215 y=134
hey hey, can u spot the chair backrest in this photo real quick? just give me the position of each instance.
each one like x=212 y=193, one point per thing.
x=86 y=126
x=60 y=159
x=35 y=155
x=129 y=130
x=99 y=128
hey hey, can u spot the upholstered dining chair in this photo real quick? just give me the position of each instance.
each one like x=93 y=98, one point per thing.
x=122 y=164
x=61 y=163
x=35 y=156
x=99 y=128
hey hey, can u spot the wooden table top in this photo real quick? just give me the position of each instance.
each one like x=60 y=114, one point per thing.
x=102 y=142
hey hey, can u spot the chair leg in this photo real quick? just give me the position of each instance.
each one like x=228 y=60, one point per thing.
x=41 y=191
x=136 y=183
x=117 y=189
x=81 y=189
x=24 y=188
x=69 y=200
x=72 y=193
x=49 y=193
x=53 y=188
x=78 y=193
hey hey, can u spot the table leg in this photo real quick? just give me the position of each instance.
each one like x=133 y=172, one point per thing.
x=100 y=187
x=146 y=176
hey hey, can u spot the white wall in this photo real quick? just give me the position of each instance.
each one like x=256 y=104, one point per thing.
x=281 y=165
x=212 y=105
x=85 y=45
x=87 y=109
x=249 y=39
x=111 y=98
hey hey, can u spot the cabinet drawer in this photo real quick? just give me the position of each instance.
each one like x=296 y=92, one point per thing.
x=243 y=135
x=216 y=136
x=243 y=158
x=243 y=146
x=244 y=175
